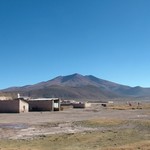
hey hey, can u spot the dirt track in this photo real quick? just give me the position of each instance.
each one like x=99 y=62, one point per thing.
x=30 y=125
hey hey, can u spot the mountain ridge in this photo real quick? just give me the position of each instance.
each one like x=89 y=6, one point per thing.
x=81 y=87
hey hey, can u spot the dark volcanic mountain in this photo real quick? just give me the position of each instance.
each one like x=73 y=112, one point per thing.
x=77 y=86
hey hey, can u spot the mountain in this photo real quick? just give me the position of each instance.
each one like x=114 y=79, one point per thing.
x=77 y=86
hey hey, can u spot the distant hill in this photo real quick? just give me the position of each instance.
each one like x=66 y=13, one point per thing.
x=77 y=86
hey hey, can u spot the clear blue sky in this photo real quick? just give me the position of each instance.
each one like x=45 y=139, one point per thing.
x=42 y=39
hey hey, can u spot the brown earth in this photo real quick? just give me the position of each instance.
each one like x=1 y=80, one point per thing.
x=83 y=124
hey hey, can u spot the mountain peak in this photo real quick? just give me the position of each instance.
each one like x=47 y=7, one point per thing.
x=74 y=75
x=79 y=86
x=72 y=79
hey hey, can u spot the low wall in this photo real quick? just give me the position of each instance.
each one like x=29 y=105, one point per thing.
x=81 y=105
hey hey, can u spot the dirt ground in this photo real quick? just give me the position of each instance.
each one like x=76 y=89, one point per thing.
x=29 y=126
x=34 y=124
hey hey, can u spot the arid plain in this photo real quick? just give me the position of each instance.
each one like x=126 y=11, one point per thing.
x=117 y=126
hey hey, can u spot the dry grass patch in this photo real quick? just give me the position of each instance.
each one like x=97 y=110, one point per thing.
x=110 y=134
x=101 y=122
x=133 y=106
x=145 y=106
x=142 y=145
x=125 y=139
x=123 y=107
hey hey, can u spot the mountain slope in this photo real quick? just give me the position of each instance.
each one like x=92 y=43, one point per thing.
x=77 y=86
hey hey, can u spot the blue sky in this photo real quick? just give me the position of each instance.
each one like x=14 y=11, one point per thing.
x=42 y=39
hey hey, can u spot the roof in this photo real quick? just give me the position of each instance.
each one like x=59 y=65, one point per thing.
x=44 y=99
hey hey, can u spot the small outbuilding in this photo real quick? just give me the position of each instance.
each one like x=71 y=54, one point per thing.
x=44 y=104
x=81 y=105
x=13 y=106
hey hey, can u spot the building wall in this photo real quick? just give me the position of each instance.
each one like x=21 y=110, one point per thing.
x=56 y=105
x=78 y=105
x=81 y=105
x=19 y=105
x=13 y=106
x=9 y=106
x=87 y=105
x=44 y=105
x=23 y=106
x=40 y=105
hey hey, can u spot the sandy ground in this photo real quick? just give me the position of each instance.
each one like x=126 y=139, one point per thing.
x=33 y=124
